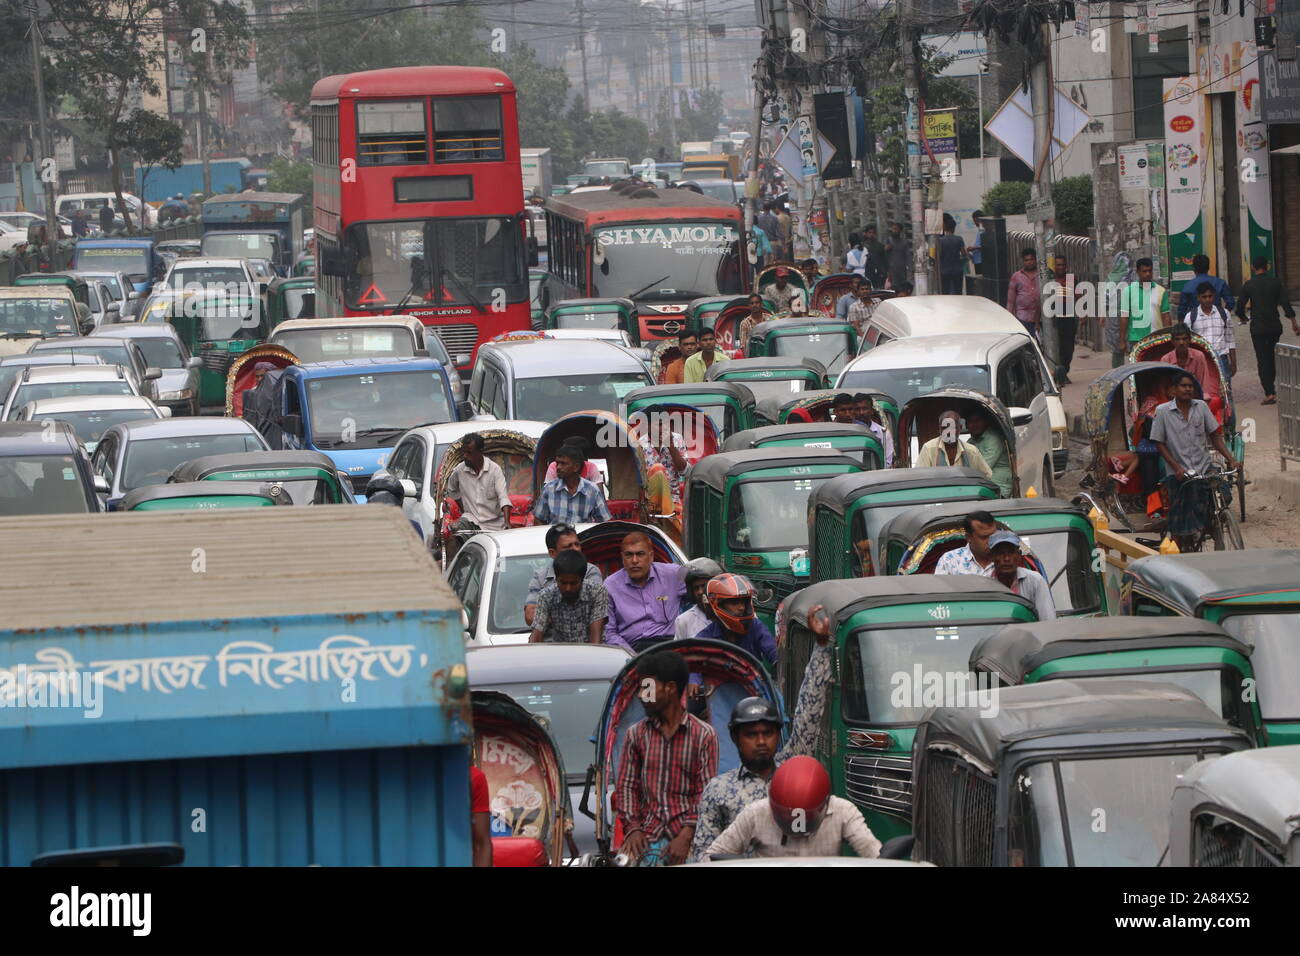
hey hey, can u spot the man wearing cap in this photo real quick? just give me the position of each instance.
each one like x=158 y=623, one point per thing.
x=1005 y=547
x=780 y=293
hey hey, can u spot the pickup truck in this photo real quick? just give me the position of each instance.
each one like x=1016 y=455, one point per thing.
x=258 y=703
x=352 y=410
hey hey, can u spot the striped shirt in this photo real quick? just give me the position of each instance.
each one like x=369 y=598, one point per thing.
x=661 y=779
x=556 y=506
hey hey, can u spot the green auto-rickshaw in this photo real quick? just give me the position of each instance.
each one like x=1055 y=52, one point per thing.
x=308 y=477
x=588 y=314
x=293 y=298
x=747 y=511
x=832 y=342
x=847 y=514
x=729 y=404
x=894 y=638
x=204 y=496
x=306 y=266
x=703 y=312
x=218 y=329
x=1196 y=655
x=78 y=284
x=770 y=378
x=1254 y=596
x=1056 y=537
x=856 y=441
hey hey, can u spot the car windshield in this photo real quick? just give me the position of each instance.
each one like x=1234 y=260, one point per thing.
x=771 y=515
x=89 y=425
x=1276 y=663
x=775 y=388
x=240 y=245
x=46 y=316
x=611 y=169
x=1068 y=562
x=1215 y=686
x=905 y=384
x=222 y=320
x=150 y=461
x=555 y=396
x=571 y=711
x=1130 y=794
x=893 y=674
x=509 y=589
x=668 y=260
x=371 y=410
x=132 y=261
x=323 y=345
x=587 y=320
x=34 y=393
x=471 y=262
x=829 y=348
x=300 y=303
x=160 y=352
x=41 y=485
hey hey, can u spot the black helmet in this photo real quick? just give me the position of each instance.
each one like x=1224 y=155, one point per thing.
x=705 y=568
x=384 y=489
x=753 y=710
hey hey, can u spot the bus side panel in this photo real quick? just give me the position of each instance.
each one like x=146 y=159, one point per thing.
x=405 y=806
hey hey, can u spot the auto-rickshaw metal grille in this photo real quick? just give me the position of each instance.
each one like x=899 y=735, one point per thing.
x=960 y=812
x=1221 y=843
x=879 y=783
x=826 y=545
x=216 y=360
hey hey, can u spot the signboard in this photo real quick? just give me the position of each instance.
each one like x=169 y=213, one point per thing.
x=1134 y=167
x=1040 y=210
x=833 y=126
x=969 y=52
x=1186 y=148
x=1013 y=125
x=788 y=157
x=941 y=131
x=803 y=138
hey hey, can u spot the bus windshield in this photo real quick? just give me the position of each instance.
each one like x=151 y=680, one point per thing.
x=442 y=261
x=673 y=259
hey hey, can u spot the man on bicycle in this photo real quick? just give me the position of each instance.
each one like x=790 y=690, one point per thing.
x=1184 y=431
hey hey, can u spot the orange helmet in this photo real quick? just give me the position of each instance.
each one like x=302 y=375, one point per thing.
x=798 y=795
x=728 y=587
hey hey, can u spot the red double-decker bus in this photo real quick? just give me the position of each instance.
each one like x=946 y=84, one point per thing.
x=419 y=200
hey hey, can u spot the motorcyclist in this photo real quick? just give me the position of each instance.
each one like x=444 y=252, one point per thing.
x=731 y=599
x=697 y=575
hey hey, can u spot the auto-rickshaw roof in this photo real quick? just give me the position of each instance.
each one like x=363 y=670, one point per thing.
x=912 y=523
x=771 y=408
x=845 y=597
x=840 y=492
x=950 y=396
x=753 y=437
x=794 y=324
x=1195 y=580
x=1017 y=650
x=1033 y=715
x=735 y=390
x=196 y=489
x=1097 y=402
x=596 y=304
x=714 y=470
x=771 y=363
x=1260 y=786
x=293 y=282
x=196 y=469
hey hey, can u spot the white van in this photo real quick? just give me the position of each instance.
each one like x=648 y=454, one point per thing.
x=958 y=314
x=68 y=203
x=1007 y=365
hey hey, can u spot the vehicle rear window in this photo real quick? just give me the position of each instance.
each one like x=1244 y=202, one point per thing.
x=41 y=485
x=132 y=261
x=391 y=133
x=34 y=393
x=323 y=345
x=150 y=461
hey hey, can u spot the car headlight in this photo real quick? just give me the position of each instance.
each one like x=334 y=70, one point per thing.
x=1058 y=439
x=183 y=395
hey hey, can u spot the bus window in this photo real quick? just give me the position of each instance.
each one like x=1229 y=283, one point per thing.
x=467 y=129
x=391 y=132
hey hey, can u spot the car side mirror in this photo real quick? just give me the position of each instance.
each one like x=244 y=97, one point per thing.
x=132 y=295
x=464 y=411
x=101 y=485
x=113 y=307
x=152 y=374
x=291 y=424
x=165 y=411
x=464 y=624
x=408 y=488
x=1020 y=416
x=194 y=362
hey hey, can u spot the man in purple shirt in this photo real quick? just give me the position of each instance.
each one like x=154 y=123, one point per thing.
x=644 y=598
x=1024 y=296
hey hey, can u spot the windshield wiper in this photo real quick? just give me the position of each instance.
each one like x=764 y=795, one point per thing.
x=22 y=335
x=380 y=429
x=464 y=289
x=647 y=287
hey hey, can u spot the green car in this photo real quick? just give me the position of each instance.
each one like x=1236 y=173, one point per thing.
x=830 y=341
x=308 y=477
x=1060 y=538
x=218 y=329
x=856 y=441
x=747 y=510
x=1254 y=596
x=293 y=298
x=770 y=378
x=1196 y=655
x=892 y=638
x=729 y=404
x=847 y=514
x=587 y=314
x=204 y=496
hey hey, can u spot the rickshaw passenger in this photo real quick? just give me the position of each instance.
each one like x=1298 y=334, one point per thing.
x=571 y=610
x=973 y=557
x=755 y=728
x=1009 y=570
x=570 y=498
x=865 y=413
x=947 y=448
x=689 y=343
x=698 y=364
x=668 y=757
x=559 y=537
x=992 y=446
x=644 y=597
x=843 y=409
x=754 y=317
x=731 y=599
x=1191 y=360
x=589 y=469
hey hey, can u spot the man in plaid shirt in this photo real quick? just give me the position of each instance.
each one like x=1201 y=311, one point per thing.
x=668 y=757
x=569 y=498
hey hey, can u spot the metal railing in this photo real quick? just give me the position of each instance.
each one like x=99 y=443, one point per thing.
x=1082 y=257
x=1288 y=402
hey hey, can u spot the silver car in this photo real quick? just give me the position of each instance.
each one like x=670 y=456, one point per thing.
x=55 y=381
x=114 y=351
x=178 y=387
x=119 y=287
x=92 y=415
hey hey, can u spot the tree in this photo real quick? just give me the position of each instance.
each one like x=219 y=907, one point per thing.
x=291 y=176
x=1072 y=198
x=153 y=141
x=17 y=87
x=1006 y=199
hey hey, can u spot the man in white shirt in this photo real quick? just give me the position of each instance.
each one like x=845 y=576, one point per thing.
x=1212 y=322
x=695 y=619
x=478 y=486
x=973 y=557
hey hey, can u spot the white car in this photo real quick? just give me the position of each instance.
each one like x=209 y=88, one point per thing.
x=209 y=274
x=68 y=203
x=37 y=382
x=1003 y=364
x=92 y=415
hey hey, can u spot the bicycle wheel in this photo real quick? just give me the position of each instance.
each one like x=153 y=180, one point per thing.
x=1228 y=532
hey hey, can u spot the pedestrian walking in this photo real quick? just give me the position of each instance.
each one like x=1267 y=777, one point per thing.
x=950 y=251
x=1210 y=321
x=1024 y=298
x=877 y=266
x=1263 y=294
x=977 y=250
x=1187 y=300
x=106 y=217
x=855 y=260
x=898 y=249
x=1141 y=305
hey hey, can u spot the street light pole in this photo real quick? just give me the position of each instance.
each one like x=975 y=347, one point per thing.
x=38 y=75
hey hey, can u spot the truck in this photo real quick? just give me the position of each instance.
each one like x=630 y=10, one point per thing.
x=712 y=166
x=270 y=687
x=158 y=183
x=253 y=225
x=702 y=148
x=536 y=165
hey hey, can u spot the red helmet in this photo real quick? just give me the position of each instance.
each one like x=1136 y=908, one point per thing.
x=798 y=795
x=727 y=587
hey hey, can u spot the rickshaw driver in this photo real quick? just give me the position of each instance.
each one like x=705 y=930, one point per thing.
x=1007 y=569
x=992 y=446
x=755 y=728
x=1184 y=430
x=478 y=486
x=780 y=293
x=947 y=448
x=973 y=557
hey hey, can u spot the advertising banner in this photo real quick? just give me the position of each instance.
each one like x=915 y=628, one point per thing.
x=1186 y=150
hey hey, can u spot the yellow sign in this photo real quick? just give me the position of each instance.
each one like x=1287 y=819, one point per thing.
x=941 y=125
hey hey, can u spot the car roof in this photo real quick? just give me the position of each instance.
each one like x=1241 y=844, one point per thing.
x=921 y=518
x=194 y=262
x=841 y=491
x=944 y=312
x=52 y=291
x=74 y=342
x=356 y=321
x=795 y=431
x=357 y=365
x=136 y=330
x=89 y=403
x=923 y=351
x=28 y=438
x=448 y=432
x=186 y=425
x=53 y=357
x=516 y=542
x=794 y=323
x=844 y=598
x=520 y=663
x=112 y=243
x=537 y=357
x=673 y=393
x=774 y=363
x=196 y=469
x=74 y=373
x=715 y=469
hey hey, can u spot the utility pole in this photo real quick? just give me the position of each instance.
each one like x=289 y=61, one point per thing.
x=1040 y=190
x=915 y=185
x=203 y=124
x=582 y=41
x=47 y=154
